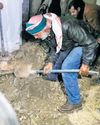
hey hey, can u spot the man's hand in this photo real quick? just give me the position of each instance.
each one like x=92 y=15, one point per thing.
x=84 y=70
x=47 y=68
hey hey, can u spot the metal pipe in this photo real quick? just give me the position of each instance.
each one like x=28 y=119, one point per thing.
x=91 y=72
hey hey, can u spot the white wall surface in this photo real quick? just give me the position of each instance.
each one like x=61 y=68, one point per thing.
x=11 y=19
x=98 y=2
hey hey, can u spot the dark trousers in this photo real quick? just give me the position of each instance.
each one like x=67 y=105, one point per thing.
x=58 y=63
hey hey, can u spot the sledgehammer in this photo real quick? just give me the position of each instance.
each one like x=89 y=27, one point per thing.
x=24 y=72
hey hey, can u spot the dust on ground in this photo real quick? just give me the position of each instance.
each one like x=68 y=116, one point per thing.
x=36 y=100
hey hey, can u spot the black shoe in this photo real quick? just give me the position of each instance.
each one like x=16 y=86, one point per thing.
x=69 y=108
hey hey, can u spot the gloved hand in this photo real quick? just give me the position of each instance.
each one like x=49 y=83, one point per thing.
x=84 y=70
x=47 y=68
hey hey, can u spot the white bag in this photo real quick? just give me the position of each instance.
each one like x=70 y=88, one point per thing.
x=11 y=21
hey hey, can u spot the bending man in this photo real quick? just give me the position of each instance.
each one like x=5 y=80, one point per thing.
x=67 y=41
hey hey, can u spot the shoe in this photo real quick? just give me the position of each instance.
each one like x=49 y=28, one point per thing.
x=69 y=108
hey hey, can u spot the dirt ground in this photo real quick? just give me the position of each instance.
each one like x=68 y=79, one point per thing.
x=36 y=100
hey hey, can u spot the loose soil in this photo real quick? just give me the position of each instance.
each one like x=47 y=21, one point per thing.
x=35 y=100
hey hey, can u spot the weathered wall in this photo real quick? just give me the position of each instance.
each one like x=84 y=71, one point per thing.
x=34 y=6
x=91 y=11
x=90 y=1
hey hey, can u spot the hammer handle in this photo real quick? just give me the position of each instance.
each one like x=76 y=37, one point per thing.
x=91 y=72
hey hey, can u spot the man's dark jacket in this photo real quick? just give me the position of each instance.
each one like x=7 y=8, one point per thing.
x=74 y=34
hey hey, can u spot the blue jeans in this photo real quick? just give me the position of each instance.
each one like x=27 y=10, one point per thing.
x=70 y=80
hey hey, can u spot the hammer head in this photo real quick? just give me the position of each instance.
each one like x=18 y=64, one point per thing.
x=23 y=71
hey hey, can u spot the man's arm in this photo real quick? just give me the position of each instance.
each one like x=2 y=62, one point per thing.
x=87 y=41
x=51 y=60
x=89 y=44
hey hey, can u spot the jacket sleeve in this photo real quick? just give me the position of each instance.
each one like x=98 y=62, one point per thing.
x=87 y=41
x=51 y=55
